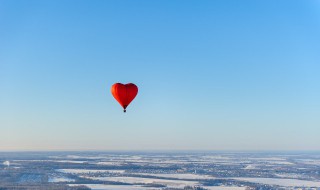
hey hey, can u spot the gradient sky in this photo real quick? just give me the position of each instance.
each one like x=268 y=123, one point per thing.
x=212 y=75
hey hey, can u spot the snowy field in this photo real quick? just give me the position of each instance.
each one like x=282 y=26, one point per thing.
x=87 y=171
x=158 y=171
x=136 y=187
x=139 y=180
x=179 y=176
x=59 y=179
x=114 y=187
x=282 y=182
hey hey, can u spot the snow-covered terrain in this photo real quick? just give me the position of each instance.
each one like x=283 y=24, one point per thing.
x=147 y=171
x=282 y=182
x=60 y=179
x=116 y=187
x=139 y=180
x=179 y=176
x=85 y=171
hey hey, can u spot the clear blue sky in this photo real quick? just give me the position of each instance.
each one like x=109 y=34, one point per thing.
x=212 y=75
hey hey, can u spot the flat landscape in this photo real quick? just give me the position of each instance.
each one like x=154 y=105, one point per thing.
x=160 y=170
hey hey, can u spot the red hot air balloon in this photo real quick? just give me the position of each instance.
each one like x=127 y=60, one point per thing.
x=124 y=93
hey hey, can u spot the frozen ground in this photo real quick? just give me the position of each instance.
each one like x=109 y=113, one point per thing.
x=87 y=171
x=157 y=170
x=141 y=180
x=179 y=176
x=60 y=179
x=116 y=187
x=282 y=182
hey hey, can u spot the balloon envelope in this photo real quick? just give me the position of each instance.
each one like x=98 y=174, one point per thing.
x=124 y=93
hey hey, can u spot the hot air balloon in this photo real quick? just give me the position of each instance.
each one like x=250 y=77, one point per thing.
x=124 y=93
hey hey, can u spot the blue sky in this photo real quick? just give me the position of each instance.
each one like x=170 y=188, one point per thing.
x=212 y=75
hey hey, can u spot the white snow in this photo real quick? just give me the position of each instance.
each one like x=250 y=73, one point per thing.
x=60 y=179
x=134 y=180
x=62 y=161
x=223 y=188
x=114 y=187
x=138 y=187
x=250 y=167
x=290 y=175
x=179 y=176
x=85 y=171
x=109 y=163
x=280 y=162
x=6 y=163
x=281 y=182
x=70 y=161
x=268 y=158
x=310 y=161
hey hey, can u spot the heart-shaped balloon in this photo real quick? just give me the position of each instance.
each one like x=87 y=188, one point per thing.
x=124 y=93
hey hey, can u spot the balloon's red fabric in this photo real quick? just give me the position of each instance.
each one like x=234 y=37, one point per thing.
x=124 y=93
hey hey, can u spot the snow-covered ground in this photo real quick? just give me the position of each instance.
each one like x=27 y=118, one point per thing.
x=250 y=167
x=179 y=176
x=138 y=180
x=59 y=179
x=70 y=161
x=109 y=163
x=291 y=175
x=115 y=187
x=61 y=161
x=140 y=171
x=281 y=182
x=85 y=171
x=310 y=161
x=137 y=187
x=223 y=188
